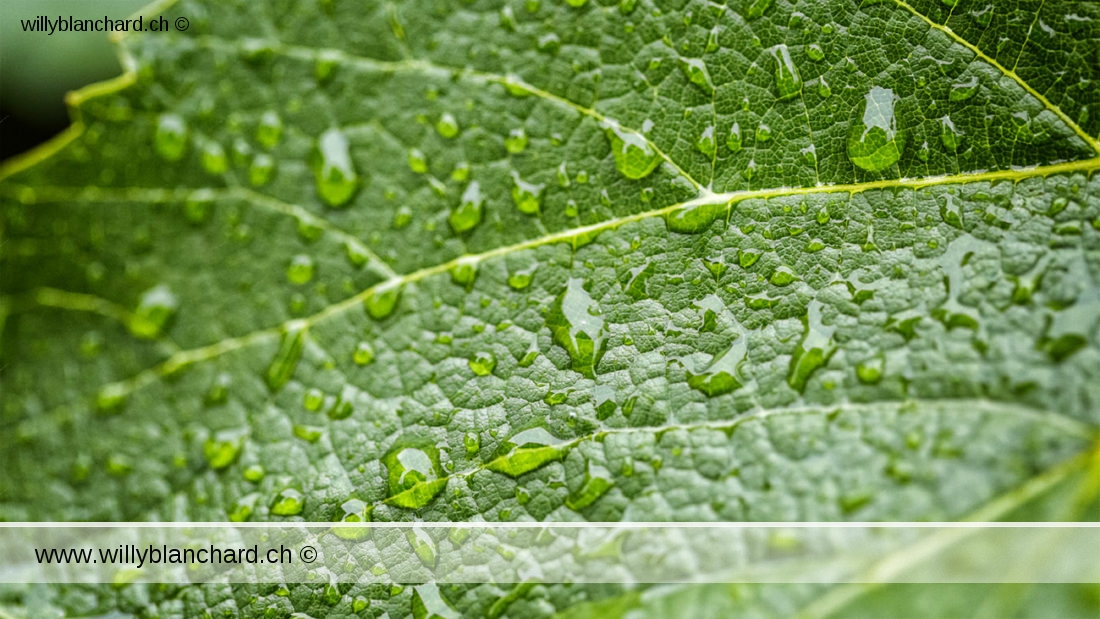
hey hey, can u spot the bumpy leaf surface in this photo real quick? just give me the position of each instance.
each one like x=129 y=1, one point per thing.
x=642 y=260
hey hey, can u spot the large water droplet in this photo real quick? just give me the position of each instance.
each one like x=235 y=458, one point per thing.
x=527 y=451
x=269 y=130
x=526 y=196
x=707 y=142
x=300 y=270
x=468 y=213
x=171 y=137
x=695 y=218
x=951 y=137
x=787 y=77
x=634 y=157
x=155 y=308
x=576 y=326
x=696 y=72
x=876 y=144
x=381 y=301
x=286 y=357
x=332 y=168
x=813 y=351
x=414 y=475
x=483 y=363
x=289 y=502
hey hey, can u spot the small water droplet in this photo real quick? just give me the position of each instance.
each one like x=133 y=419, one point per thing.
x=815 y=52
x=483 y=363
x=526 y=196
x=269 y=130
x=576 y=3
x=733 y=140
x=549 y=43
x=422 y=544
x=782 y=276
x=634 y=157
x=518 y=280
x=823 y=89
x=472 y=442
x=763 y=133
x=332 y=168
x=286 y=357
x=171 y=137
x=757 y=8
x=357 y=254
x=213 y=157
x=447 y=126
x=221 y=451
x=516 y=142
x=325 y=64
x=261 y=170
x=696 y=72
x=218 y=393
x=110 y=398
x=254 y=474
x=626 y=7
x=468 y=213
x=364 y=353
x=870 y=372
x=313 y=399
x=155 y=308
x=300 y=270
x=289 y=502
x=707 y=142
x=787 y=77
x=418 y=161
x=464 y=271
x=982 y=17
x=875 y=143
x=597 y=481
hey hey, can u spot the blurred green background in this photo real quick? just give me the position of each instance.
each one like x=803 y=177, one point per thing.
x=37 y=69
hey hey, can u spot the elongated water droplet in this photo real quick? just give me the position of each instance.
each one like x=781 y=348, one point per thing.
x=467 y=214
x=286 y=357
x=155 y=308
x=483 y=363
x=269 y=130
x=875 y=143
x=332 y=167
x=516 y=142
x=696 y=72
x=171 y=137
x=289 y=502
x=733 y=140
x=422 y=544
x=381 y=301
x=813 y=351
x=526 y=196
x=576 y=326
x=964 y=90
x=634 y=157
x=707 y=142
x=787 y=77
x=951 y=137
x=300 y=270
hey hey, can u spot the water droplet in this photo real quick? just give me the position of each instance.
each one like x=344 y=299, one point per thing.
x=516 y=142
x=815 y=52
x=381 y=301
x=357 y=254
x=763 y=133
x=313 y=399
x=823 y=89
x=950 y=212
x=413 y=474
x=269 y=130
x=964 y=90
x=213 y=157
x=695 y=218
x=712 y=41
x=626 y=7
x=982 y=17
x=813 y=351
x=787 y=77
x=447 y=126
x=876 y=144
x=155 y=308
x=332 y=168
x=733 y=140
x=286 y=357
x=549 y=43
x=634 y=157
x=696 y=72
x=464 y=271
x=597 y=481
x=221 y=451
x=422 y=544
x=300 y=270
x=171 y=137
x=468 y=213
x=951 y=137
x=782 y=276
x=526 y=196
x=309 y=434
x=707 y=142
x=750 y=170
x=218 y=393
x=364 y=353
x=325 y=64
x=483 y=363
x=521 y=279
x=756 y=8
x=576 y=3
x=261 y=170
x=418 y=161
x=472 y=442
x=576 y=326
x=254 y=474
x=110 y=398
x=870 y=372
x=289 y=502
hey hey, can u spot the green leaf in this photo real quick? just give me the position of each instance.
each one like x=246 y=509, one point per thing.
x=560 y=261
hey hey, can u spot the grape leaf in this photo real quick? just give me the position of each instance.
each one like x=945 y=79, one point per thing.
x=558 y=261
